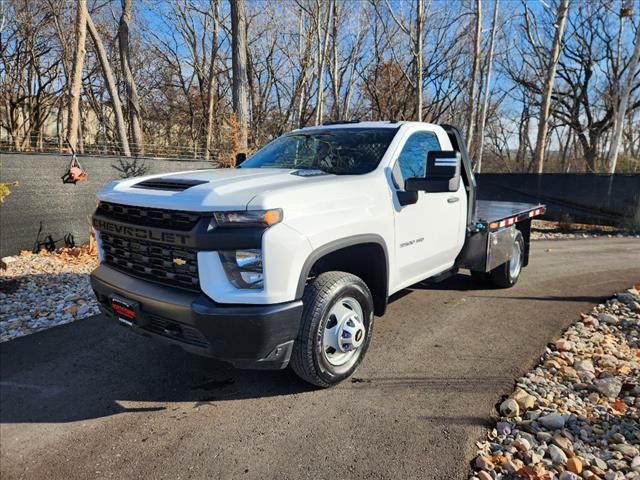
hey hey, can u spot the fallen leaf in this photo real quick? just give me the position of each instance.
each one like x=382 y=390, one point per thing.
x=619 y=406
x=534 y=473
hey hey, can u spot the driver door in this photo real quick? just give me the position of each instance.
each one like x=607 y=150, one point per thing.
x=427 y=232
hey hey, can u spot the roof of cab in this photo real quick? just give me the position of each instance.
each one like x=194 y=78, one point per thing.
x=357 y=124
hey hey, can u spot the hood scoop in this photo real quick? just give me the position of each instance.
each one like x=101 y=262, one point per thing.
x=168 y=184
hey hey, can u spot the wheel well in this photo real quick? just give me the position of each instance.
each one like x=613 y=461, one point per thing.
x=365 y=260
x=525 y=229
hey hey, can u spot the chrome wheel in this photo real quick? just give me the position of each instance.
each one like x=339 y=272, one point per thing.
x=344 y=333
x=515 y=262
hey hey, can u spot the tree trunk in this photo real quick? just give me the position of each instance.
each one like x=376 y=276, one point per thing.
x=239 y=68
x=303 y=68
x=545 y=104
x=612 y=158
x=474 y=75
x=211 y=91
x=322 y=54
x=135 y=117
x=80 y=147
x=76 y=82
x=487 y=90
x=335 y=86
x=121 y=127
x=419 y=28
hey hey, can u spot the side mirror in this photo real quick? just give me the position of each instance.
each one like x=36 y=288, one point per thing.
x=240 y=157
x=442 y=174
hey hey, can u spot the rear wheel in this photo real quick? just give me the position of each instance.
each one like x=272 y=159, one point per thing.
x=336 y=328
x=507 y=274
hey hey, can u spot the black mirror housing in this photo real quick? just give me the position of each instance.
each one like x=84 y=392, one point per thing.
x=442 y=175
x=240 y=157
x=430 y=185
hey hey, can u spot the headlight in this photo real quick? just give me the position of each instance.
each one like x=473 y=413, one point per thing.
x=243 y=268
x=258 y=218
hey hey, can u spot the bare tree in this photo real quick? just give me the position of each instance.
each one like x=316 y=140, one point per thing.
x=347 y=40
x=135 y=115
x=487 y=90
x=322 y=39
x=545 y=106
x=416 y=39
x=211 y=90
x=239 y=66
x=418 y=54
x=76 y=81
x=473 y=78
x=310 y=60
x=109 y=80
x=621 y=109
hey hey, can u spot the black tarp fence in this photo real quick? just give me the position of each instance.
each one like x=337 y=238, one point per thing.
x=583 y=198
x=41 y=206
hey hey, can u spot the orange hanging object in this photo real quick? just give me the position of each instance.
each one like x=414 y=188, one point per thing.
x=75 y=173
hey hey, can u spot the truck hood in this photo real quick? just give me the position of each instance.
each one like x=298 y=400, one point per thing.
x=207 y=190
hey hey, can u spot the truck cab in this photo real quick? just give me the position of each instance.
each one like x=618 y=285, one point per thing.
x=287 y=259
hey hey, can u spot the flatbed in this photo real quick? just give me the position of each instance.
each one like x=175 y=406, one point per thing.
x=494 y=214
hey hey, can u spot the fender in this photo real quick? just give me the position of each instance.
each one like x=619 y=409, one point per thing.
x=339 y=244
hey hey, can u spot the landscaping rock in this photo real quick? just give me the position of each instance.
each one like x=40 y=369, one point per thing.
x=41 y=291
x=509 y=408
x=555 y=421
x=609 y=387
x=583 y=418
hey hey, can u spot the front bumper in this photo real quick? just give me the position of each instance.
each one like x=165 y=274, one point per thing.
x=247 y=336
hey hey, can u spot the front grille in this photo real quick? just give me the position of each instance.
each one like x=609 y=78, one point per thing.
x=177 y=267
x=149 y=217
x=176 y=331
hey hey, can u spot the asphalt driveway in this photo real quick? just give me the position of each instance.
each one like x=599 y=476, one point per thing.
x=92 y=400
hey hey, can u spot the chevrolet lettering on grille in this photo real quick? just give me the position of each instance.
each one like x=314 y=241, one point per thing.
x=141 y=233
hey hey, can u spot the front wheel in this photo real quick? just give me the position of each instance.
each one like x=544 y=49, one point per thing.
x=336 y=327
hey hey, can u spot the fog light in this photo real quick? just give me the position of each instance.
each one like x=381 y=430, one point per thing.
x=243 y=268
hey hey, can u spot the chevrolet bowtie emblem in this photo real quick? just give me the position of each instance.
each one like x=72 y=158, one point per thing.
x=179 y=261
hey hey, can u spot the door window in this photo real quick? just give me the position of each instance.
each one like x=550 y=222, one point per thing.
x=412 y=161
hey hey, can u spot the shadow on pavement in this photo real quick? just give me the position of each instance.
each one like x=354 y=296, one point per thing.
x=95 y=368
x=460 y=282
x=553 y=298
x=464 y=282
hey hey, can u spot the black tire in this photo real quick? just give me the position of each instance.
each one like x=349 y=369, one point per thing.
x=308 y=358
x=502 y=276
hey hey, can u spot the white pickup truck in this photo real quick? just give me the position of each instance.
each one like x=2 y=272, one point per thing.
x=286 y=259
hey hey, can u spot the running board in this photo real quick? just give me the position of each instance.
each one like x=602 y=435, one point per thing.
x=443 y=275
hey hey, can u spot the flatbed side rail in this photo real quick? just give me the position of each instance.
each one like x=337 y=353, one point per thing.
x=526 y=215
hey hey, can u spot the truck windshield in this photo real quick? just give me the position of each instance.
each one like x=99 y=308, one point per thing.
x=342 y=151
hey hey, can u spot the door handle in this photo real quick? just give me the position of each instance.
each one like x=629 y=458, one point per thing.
x=453 y=199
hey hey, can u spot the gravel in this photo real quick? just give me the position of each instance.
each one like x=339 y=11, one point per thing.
x=541 y=235
x=41 y=291
x=552 y=230
x=578 y=411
